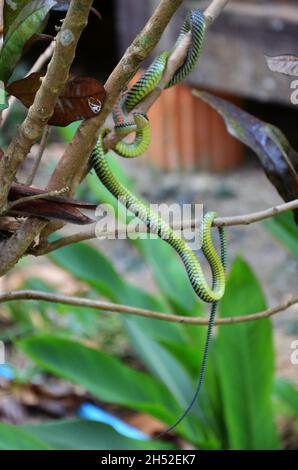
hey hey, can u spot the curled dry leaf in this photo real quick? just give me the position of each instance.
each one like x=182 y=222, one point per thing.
x=275 y=154
x=82 y=98
x=286 y=64
x=52 y=208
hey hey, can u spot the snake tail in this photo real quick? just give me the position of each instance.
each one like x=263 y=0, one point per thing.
x=212 y=316
x=156 y=225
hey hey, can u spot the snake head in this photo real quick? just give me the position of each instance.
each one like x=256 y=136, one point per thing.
x=141 y=120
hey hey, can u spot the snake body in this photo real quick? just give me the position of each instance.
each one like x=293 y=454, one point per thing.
x=196 y=25
x=142 y=139
x=157 y=225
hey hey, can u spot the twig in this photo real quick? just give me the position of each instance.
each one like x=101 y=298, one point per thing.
x=245 y=219
x=256 y=216
x=39 y=155
x=26 y=199
x=42 y=59
x=125 y=309
x=214 y=10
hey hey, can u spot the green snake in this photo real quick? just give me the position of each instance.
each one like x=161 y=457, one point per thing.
x=195 y=23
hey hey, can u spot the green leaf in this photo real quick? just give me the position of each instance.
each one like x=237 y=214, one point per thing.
x=288 y=394
x=246 y=364
x=68 y=132
x=170 y=276
x=283 y=227
x=10 y=11
x=77 y=434
x=88 y=264
x=15 y=438
x=275 y=154
x=28 y=22
x=102 y=375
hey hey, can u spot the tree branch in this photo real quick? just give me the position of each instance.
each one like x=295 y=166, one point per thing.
x=174 y=62
x=72 y=165
x=37 y=117
x=214 y=10
x=68 y=161
x=116 y=308
x=51 y=87
x=245 y=219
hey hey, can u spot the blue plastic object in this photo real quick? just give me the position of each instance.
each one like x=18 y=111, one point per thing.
x=92 y=412
x=6 y=371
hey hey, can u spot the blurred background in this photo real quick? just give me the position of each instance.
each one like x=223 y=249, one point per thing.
x=192 y=159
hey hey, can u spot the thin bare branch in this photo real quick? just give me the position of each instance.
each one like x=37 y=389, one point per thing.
x=39 y=155
x=214 y=10
x=245 y=219
x=125 y=309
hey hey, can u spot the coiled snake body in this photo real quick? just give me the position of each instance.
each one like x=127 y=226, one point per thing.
x=195 y=23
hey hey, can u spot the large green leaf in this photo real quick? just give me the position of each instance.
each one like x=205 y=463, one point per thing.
x=28 y=21
x=102 y=375
x=170 y=276
x=246 y=364
x=283 y=227
x=77 y=434
x=88 y=264
x=175 y=375
x=15 y=438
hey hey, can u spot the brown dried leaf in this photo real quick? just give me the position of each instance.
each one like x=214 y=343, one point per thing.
x=52 y=208
x=82 y=98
